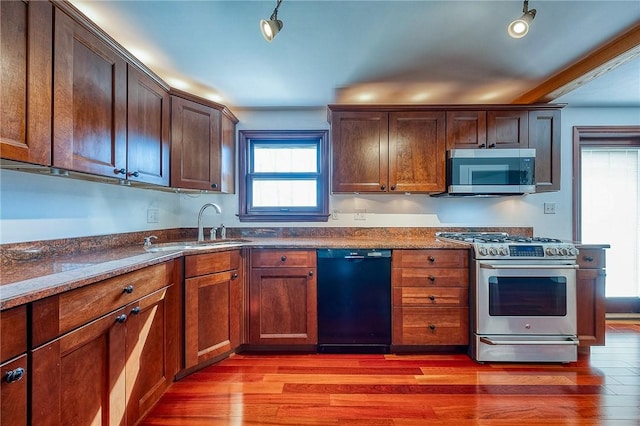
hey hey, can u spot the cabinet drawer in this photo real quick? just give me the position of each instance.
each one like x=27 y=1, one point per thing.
x=13 y=332
x=431 y=326
x=436 y=258
x=591 y=258
x=434 y=296
x=13 y=393
x=436 y=277
x=209 y=263
x=287 y=258
x=59 y=314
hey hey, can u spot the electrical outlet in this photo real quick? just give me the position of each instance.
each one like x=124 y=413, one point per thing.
x=153 y=215
x=360 y=214
x=549 y=208
x=334 y=215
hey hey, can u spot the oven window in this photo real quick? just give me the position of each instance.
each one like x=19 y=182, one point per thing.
x=528 y=296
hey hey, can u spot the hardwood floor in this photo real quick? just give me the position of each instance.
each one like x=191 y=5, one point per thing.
x=602 y=388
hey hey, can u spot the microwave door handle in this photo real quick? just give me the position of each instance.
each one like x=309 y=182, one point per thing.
x=490 y=266
x=570 y=340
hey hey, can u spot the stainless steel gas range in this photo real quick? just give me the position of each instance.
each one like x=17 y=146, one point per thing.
x=523 y=297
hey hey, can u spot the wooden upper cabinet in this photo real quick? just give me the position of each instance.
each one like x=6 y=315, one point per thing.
x=202 y=145
x=507 y=129
x=25 y=93
x=89 y=101
x=417 y=151
x=487 y=129
x=148 y=128
x=466 y=129
x=544 y=136
x=386 y=152
x=360 y=151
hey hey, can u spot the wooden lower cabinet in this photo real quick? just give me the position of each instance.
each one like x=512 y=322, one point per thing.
x=430 y=297
x=283 y=298
x=213 y=298
x=13 y=366
x=590 y=296
x=111 y=370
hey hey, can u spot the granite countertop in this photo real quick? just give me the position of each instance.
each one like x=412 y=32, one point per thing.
x=28 y=280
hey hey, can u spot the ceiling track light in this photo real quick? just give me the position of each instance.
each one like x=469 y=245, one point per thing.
x=273 y=26
x=520 y=27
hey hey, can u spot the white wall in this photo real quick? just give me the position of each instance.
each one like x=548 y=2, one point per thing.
x=40 y=207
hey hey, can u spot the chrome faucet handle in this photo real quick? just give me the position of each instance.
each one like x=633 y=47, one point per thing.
x=147 y=240
x=212 y=234
x=223 y=231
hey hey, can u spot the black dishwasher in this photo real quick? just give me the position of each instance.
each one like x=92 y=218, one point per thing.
x=354 y=301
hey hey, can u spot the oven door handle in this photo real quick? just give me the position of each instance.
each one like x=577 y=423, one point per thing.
x=507 y=266
x=570 y=341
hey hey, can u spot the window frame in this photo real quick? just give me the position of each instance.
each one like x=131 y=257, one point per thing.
x=247 y=213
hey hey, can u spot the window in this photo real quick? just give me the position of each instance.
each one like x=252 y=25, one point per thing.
x=284 y=176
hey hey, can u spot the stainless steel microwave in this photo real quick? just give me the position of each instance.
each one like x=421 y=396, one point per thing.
x=491 y=171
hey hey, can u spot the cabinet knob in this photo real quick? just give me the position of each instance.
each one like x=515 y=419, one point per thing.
x=432 y=278
x=134 y=174
x=136 y=310
x=128 y=289
x=214 y=185
x=588 y=258
x=283 y=258
x=482 y=145
x=234 y=276
x=432 y=327
x=432 y=297
x=383 y=187
x=121 y=318
x=310 y=273
x=493 y=145
x=119 y=171
x=14 y=375
x=393 y=187
x=432 y=259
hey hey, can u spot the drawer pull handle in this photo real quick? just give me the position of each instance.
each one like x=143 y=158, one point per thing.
x=432 y=278
x=120 y=171
x=432 y=298
x=14 y=375
x=588 y=258
x=283 y=259
x=432 y=327
x=136 y=310
x=121 y=318
x=432 y=259
x=234 y=276
x=128 y=289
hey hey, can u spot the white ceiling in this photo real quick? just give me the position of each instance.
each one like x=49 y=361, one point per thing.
x=429 y=51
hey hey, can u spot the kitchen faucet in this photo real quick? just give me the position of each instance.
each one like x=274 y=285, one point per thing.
x=200 y=229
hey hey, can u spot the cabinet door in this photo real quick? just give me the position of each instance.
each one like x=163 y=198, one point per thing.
x=208 y=299
x=89 y=102
x=544 y=136
x=283 y=306
x=79 y=378
x=25 y=111
x=591 y=306
x=195 y=145
x=228 y=156
x=466 y=129
x=13 y=392
x=359 y=151
x=417 y=151
x=147 y=130
x=507 y=129
x=150 y=357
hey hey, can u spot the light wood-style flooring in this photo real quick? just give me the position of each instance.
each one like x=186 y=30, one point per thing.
x=602 y=388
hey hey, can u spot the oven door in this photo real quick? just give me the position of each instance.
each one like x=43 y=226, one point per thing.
x=521 y=298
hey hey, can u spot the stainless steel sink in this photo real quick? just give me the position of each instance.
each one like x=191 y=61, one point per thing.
x=194 y=245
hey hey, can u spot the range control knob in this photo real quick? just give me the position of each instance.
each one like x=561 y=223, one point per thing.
x=504 y=251
x=573 y=251
x=552 y=251
x=492 y=251
x=482 y=251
